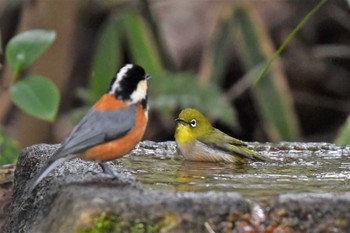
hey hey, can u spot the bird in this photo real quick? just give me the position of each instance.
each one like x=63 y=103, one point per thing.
x=113 y=126
x=198 y=140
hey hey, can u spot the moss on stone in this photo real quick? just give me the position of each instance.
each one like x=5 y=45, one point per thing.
x=105 y=223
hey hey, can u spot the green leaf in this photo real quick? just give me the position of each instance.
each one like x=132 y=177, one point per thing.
x=217 y=55
x=290 y=37
x=154 y=28
x=270 y=90
x=24 y=48
x=271 y=93
x=143 y=49
x=343 y=136
x=37 y=96
x=212 y=71
x=106 y=59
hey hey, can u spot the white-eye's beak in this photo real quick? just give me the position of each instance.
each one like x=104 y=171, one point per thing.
x=180 y=121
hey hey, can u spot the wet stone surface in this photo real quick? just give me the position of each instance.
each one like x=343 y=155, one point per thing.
x=303 y=188
x=294 y=168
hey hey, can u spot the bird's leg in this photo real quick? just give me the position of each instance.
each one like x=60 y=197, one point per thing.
x=107 y=169
x=121 y=178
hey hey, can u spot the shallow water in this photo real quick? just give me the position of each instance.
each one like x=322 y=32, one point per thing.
x=294 y=168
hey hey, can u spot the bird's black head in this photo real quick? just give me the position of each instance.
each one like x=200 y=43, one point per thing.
x=130 y=84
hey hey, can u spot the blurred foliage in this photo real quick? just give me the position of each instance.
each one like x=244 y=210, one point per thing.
x=270 y=92
x=142 y=47
x=343 y=136
x=35 y=95
x=169 y=91
x=129 y=31
x=275 y=105
x=290 y=37
x=183 y=91
x=8 y=149
x=217 y=55
x=107 y=55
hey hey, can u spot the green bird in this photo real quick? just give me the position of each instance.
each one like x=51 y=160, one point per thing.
x=198 y=140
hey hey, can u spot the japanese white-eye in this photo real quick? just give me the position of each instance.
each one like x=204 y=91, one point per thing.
x=198 y=140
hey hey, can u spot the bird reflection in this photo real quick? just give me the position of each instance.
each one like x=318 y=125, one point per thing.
x=201 y=176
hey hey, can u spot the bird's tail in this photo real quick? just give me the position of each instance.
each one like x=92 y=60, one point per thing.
x=253 y=155
x=52 y=163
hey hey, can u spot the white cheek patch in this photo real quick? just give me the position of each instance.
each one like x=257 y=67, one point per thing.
x=119 y=76
x=140 y=92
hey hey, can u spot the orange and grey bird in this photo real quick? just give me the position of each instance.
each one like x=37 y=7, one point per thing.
x=111 y=128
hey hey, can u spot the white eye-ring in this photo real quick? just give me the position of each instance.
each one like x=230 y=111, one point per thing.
x=193 y=123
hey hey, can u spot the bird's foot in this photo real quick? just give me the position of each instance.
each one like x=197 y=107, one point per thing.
x=108 y=170
x=122 y=178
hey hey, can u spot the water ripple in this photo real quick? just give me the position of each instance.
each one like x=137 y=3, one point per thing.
x=294 y=167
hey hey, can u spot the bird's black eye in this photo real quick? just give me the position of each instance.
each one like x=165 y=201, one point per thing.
x=193 y=123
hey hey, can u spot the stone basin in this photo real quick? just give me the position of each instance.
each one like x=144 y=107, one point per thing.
x=303 y=188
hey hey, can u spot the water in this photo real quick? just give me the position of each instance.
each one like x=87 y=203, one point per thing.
x=294 y=168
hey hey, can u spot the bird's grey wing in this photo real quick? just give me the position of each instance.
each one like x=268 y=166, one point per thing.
x=224 y=142
x=219 y=139
x=98 y=127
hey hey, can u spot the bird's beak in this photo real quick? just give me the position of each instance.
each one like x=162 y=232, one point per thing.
x=148 y=77
x=180 y=121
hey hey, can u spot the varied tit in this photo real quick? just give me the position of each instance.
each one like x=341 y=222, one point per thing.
x=111 y=128
x=198 y=140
